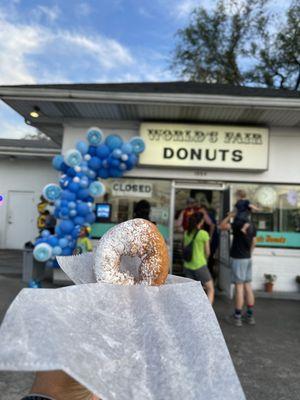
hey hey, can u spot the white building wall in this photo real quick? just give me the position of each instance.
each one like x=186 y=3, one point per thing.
x=284 y=167
x=23 y=175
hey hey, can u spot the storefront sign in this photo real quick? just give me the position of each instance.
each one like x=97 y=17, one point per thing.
x=125 y=188
x=205 y=146
x=278 y=239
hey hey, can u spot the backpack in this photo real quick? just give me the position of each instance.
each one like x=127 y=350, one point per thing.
x=187 y=253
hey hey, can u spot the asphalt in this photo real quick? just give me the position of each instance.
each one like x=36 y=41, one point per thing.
x=266 y=356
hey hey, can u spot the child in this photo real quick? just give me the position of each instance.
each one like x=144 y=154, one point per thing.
x=243 y=209
x=83 y=244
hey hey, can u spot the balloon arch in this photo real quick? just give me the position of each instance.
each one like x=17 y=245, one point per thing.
x=73 y=198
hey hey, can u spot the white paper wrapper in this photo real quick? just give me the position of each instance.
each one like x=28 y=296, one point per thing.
x=121 y=342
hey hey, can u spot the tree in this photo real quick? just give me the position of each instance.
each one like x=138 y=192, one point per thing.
x=233 y=44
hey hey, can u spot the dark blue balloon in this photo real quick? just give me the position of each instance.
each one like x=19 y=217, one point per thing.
x=132 y=161
x=82 y=209
x=64 y=181
x=67 y=251
x=82 y=194
x=52 y=240
x=103 y=173
x=40 y=240
x=58 y=231
x=66 y=226
x=71 y=172
x=90 y=218
x=103 y=151
x=105 y=163
x=113 y=142
x=64 y=203
x=93 y=150
x=79 y=220
x=89 y=199
x=94 y=163
x=56 y=213
x=115 y=173
x=74 y=187
x=64 y=212
x=68 y=196
x=64 y=167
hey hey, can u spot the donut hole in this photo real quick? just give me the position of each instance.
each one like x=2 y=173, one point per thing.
x=130 y=265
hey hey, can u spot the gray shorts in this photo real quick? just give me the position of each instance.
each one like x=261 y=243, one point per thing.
x=201 y=274
x=241 y=270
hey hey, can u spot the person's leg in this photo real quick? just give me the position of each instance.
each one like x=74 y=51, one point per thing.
x=210 y=290
x=250 y=300
x=239 y=298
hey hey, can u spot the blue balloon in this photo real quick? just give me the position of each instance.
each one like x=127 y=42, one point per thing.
x=84 y=182
x=67 y=251
x=63 y=242
x=74 y=187
x=42 y=252
x=89 y=199
x=45 y=233
x=82 y=147
x=49 y=264
x=33 y=284
x=127 y=148
x=123 y=166
x=115 y=173
x=117 y=153
x=68 y=196
x=38 y=241
x=63 y=212
x=113 y=163
x=91 y=174
x=94 y=163
x=113 y=141
x=73 y=157
x=66 y=226
x=90 y=218
x=57 y=203
x=79 y=220
x=93 y=151
x=131 y=162
x=103 y=173
x=82 y=194
x=72 y=204
x=64 y=167
x=52 y=240
x=105 y=163
x=103 y=151
x=51 y=192
x=57 y=162
x=138 y=144
x=71 y=172
x=94 y=136
x=57 y=250
x=73 y=213
x=96 y=189
x=82 y=209
x=58 y=231
x=64 y=181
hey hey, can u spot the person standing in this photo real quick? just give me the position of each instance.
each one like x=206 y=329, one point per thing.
x=197 y=268
x=241 y=251
x=182 y=222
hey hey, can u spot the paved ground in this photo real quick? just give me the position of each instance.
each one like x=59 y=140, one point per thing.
x=266 y=356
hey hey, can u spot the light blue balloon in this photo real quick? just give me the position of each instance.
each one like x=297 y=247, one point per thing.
x=63 y=242
x=57 y=250
x=82 y=147
x=57 y=162
x=94 y=136
x=138 y=144
x=73 y=157
x=45 y=233
x=91 y=174
x=96 y=189
x=73 y=213
x=52 y=192
x=117 y=153
x=72 y=204
x=42 y=252
x=127 y=148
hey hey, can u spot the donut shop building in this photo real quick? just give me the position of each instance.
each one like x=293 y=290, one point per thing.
x=201 y=141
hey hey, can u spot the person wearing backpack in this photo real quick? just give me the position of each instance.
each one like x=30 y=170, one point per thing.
x=196 y=250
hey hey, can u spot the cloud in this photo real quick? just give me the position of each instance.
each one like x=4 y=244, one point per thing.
x=83 y=9
x=51 y=13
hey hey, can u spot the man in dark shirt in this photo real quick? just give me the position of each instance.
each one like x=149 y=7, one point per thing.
x=241 y=267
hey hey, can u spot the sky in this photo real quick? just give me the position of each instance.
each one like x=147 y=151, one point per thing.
x=81 y=41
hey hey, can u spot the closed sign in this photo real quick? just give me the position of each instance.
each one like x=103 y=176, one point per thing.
x=205 y=146
x=131 y=189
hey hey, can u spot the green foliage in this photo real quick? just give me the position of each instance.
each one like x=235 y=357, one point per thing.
x=234 y=44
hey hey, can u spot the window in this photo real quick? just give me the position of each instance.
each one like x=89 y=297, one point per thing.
x=278 y=220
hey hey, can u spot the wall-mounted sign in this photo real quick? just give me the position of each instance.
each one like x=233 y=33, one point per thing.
x=205 y=146
x=278 y=239
x=124 y=188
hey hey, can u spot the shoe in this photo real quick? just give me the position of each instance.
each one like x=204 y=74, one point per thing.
x=233 y=320
x=250 y=320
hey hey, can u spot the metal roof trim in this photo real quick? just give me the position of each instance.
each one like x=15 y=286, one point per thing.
x=139 y=98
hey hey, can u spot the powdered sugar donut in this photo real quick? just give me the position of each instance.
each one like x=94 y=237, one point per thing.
x=130 y=253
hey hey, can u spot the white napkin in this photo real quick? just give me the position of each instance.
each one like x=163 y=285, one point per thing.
x=121 y=342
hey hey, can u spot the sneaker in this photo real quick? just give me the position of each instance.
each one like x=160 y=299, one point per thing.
x=249 y=319
x=233 y=320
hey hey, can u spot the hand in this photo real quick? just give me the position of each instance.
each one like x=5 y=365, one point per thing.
x=60 y=386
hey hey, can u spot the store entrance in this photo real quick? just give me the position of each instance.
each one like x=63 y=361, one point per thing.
x=215 y=199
